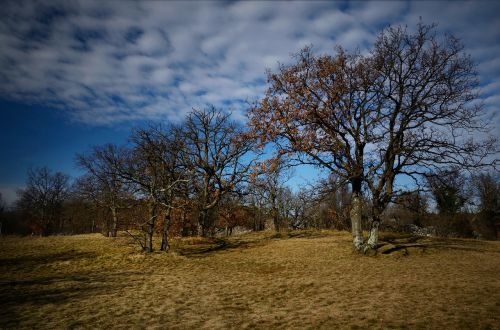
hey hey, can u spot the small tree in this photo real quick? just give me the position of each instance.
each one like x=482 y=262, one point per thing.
x=102 y=183
x=448 y=189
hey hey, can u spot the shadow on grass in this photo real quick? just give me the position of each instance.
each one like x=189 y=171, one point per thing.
x=300 y=234
x=211 y=245
x=215 y=245
x=25 y=294
x=405 y=242
x=45 y=258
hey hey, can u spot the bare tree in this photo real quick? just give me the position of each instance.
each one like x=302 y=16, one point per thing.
x=231 y=213
x=404 y=109
x=215 y=152
x=154 y=166
x=43 y=198
x=333 y=202
x=103 y=183
x=270 y=184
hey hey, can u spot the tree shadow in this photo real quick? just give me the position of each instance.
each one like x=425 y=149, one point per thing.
x=406 y=243
x=19 y=295
x=212 y=246
x=44 y=258
x=209 y=246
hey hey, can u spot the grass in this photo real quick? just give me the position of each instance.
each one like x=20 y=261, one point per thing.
x=308 y=279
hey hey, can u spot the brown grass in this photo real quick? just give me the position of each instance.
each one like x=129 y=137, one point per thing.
x=296 y=280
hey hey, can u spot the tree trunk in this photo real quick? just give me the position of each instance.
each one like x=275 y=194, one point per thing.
x=372 y=242
x=276 y=220
x=357 y=232
x=149 y=229
x=164 y=238
x=114 y=223
x=201 y=223
x=356 y=212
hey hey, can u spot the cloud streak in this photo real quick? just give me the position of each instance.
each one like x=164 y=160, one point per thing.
x=109 y=62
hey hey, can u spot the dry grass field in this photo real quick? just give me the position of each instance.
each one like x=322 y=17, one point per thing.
x=297 y=280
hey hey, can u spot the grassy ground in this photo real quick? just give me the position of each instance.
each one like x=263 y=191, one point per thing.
x=299 y=280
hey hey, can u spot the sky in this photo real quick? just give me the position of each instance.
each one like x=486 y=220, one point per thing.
x=79 y=73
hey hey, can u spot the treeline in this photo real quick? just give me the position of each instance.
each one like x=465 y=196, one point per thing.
x=409 y=108
x=205 y=177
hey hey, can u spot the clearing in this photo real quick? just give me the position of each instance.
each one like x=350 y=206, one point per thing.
x=308 y=279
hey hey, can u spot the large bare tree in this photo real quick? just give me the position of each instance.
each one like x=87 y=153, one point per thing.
x=154 y=165
x=215 y=152
x=406 y=108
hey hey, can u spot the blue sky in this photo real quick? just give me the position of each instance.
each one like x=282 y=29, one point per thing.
x=79 y=73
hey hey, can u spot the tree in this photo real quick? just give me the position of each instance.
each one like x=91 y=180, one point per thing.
x=43 y=198
x=451 y=193
x=411 y=207
x=333 y=201
x=404 y=109
x=447 y=187
x=215 y=153
x=154 y=166
x=102 y=183
x=487 y=189
x=231 y=213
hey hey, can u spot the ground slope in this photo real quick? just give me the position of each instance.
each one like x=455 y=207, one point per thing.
x=308 y=280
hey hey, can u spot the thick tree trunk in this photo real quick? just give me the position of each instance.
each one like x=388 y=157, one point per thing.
x=357 y=232
x=372 y=242
x=206 y=225
x=356 y=213
x=114 y=222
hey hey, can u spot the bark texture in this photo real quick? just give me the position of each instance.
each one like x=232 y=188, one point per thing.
x=357 y=232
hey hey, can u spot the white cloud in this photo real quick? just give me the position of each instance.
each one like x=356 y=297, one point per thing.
x=113 y=61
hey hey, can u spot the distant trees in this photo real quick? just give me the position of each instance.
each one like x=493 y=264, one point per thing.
x=42 y=200
x=404 y=109
x=167 y=168
x=410 y=208
x=270 y=187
